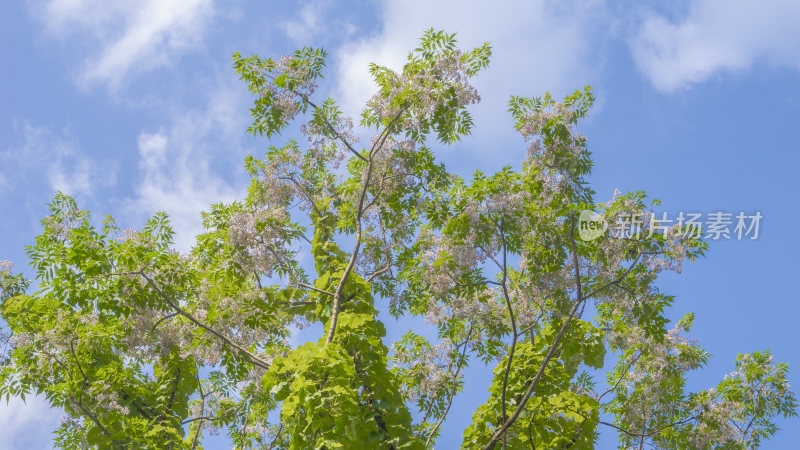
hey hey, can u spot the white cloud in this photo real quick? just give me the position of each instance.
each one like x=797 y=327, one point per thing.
x=56 y=155
x=316 y=21
x=306 y=23
x=68 y=17
x=178 y=164
x=537 y=46
x=131 y=36
x=78 y=180
x=717 y=36
x=19 y=419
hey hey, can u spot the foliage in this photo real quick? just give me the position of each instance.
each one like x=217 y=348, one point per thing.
x=143 y=346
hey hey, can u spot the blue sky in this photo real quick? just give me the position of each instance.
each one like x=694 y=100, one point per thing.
x=133 y=108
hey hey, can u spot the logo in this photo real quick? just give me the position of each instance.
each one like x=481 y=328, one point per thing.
x=591 y=225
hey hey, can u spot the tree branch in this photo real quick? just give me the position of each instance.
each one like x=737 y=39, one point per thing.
x=550 y=353
x=331 y=127
x=321 y=291
x=650 y=434
x=253 y=358
x=513 y=324
x=357 y=246
x=89 y=413
x=380 y=271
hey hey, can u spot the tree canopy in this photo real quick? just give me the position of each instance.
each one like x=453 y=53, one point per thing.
x=144 y=346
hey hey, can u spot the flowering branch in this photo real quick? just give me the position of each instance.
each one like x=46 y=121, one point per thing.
x=330 y=126
x=359 y=213
x=253 y=358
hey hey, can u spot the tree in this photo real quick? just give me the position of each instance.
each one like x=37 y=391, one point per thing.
x=144 y=346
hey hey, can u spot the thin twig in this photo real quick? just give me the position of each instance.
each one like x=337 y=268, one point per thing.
x=321 y=291
x=380 y=271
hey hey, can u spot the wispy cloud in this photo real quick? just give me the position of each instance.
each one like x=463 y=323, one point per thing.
x=127 y=37
x=537 y=45
x=306 y=23
x=179 y=164
x=316 y=21
x=59 y=157
x=715 y=37
x=28 y=424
